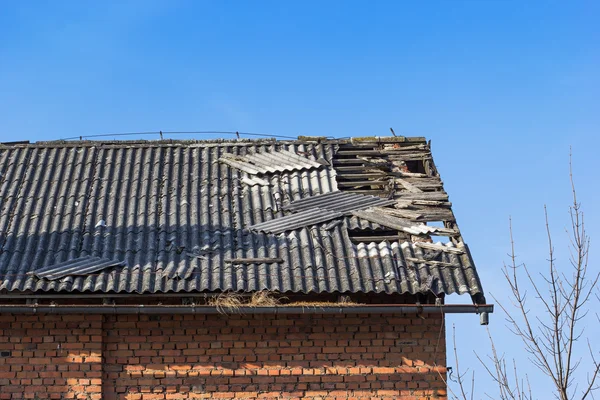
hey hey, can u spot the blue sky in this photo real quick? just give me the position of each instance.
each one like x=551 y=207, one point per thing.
x=502 y=88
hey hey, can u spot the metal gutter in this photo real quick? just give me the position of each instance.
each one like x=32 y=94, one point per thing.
x=42 y=296
x=191 y=309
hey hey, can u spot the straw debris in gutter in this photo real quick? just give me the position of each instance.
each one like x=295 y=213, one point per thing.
x=264 y=298
x=232 y=303
x=344 y=302
x=227 y=302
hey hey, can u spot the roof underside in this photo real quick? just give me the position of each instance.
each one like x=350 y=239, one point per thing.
x=150 y=217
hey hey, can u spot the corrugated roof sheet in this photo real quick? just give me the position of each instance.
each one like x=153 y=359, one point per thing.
x=338 y=201
x=360 y=224
x=394 y=264
x=77 y=266
x=299 y=220
x=175 y=216
x=270 y=161
x=319 y=208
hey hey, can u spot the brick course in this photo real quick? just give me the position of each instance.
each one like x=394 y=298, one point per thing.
x=304 y=356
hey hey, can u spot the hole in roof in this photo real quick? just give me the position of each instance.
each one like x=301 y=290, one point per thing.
x=439 y=224
x=375 y=235
x=442 y=239
x=361 y=169
x=415 y=166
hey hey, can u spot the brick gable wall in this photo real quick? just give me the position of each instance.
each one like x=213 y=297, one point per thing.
x=302 y=356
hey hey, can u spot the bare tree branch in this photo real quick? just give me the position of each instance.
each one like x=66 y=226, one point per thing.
x=552 y=335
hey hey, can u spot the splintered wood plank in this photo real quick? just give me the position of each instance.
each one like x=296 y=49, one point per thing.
x=379 y=216
x=428 y=196
x=402 y=174
x=431 y=206
x=421 y=215
x=348 y=161
x=413 y=215
x=424 y=180
x=401 y=214
x=425 y=213
x=433 y=246
x=354 y=152
x=412 y=148
x=359 y=168
x=364 y=175
x=361 y=183
x=408 y=186
x=420 y=202
x=407 y=157
x=428 y=185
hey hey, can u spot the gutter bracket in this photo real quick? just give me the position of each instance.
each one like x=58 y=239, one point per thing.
x=420 y=310
x=108 y=301
x=33 y=301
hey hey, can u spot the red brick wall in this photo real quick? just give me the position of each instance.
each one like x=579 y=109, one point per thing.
x=216 y=356
x=51 y=357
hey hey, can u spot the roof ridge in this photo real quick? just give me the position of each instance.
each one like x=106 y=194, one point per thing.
x=214 y=142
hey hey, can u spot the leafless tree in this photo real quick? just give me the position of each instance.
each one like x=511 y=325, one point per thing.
x=554 y=334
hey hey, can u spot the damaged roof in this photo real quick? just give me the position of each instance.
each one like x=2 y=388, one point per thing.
x=301 y=216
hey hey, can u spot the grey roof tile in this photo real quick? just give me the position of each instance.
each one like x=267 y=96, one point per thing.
x=319 y=208
x=296 y=221
x=338 y=201
x=77 y=266
x=269 y=161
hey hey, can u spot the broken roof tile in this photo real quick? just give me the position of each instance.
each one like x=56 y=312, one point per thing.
x=317 y=209
x=296 y=221
x=77 y=266
x=338 y=201
x=269 y=162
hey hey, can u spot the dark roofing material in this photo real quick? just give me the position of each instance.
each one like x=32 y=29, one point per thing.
x=299 y=220
x=319 y=208
x=174 y=215
x=78 y=266
x=338 y=201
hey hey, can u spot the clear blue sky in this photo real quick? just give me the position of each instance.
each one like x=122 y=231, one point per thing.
x=502 y=88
